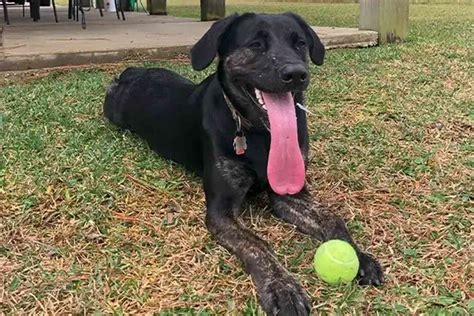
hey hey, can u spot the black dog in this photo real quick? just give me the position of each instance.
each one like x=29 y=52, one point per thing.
x=243 y=129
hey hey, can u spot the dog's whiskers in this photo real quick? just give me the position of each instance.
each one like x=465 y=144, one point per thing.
x=301 y=106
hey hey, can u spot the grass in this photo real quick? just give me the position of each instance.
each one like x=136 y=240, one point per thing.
x=92 y=222
x=319 y=14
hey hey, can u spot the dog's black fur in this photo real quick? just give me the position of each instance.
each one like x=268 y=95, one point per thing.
x=192 y=125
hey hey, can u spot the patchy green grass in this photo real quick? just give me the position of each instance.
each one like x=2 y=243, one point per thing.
x=91 y=221
x=318 y=14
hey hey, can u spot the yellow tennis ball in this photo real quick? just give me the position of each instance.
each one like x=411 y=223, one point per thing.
x=336 y=262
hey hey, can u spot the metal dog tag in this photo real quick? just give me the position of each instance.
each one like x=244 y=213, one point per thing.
x=240 y=143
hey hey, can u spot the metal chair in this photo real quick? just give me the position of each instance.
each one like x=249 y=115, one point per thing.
x=35 y=10
x=117 y=9
x=5 y=9
x=5 y=12
x=76 y=6
x=34 y=15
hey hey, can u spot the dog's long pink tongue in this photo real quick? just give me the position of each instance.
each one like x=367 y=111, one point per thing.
x=285 y=167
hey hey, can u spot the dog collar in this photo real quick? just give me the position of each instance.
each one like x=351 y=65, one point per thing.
x=240 y=142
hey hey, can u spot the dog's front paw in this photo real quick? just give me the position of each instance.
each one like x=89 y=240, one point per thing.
x=284 y=296
x=370 y=271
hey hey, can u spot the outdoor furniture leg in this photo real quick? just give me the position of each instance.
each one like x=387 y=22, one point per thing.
x=77 y=10
x=212 y=10
x=69 y=9
x=99 y=4
x=24 y=8
x=83 y=16
x=5 y=12
x=73 y=9
x=121 y=10
x=35 y=9
x=54 y=10
x=117 y=10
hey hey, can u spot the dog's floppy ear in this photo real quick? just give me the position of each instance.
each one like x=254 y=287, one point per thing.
x=203 y=53
x=316 y=48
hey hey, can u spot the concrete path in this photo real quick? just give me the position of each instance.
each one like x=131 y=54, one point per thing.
x=30 y=45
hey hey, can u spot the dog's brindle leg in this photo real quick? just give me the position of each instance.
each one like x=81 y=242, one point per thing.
x=226 y=186
x=317 y=221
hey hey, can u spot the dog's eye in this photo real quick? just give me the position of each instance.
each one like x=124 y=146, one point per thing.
x=256 y=45
x=300 y=43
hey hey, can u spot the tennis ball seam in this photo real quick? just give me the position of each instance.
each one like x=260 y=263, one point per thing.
x=329 y=254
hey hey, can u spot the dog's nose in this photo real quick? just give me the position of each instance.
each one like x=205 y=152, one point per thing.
x=294 y=74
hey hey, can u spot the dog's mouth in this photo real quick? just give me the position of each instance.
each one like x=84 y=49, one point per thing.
x=285 y=169
x=257 y=98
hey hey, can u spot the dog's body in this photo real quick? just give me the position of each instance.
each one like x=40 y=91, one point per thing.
x=171 y=126
x=261 y=76
x=175 y=126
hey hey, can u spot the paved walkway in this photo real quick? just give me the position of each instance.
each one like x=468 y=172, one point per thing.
x=31 y=45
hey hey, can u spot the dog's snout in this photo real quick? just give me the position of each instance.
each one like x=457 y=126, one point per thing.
x=294 y=74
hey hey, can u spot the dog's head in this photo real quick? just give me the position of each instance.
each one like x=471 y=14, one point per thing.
x=260 y=52
x=263 y=65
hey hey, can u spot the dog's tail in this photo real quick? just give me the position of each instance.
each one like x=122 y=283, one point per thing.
x=113 y=85
x=110 y=99
x=112 y=103
x=116 y=95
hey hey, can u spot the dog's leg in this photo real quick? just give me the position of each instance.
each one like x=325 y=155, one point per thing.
x=278 y=292
x=317 y=221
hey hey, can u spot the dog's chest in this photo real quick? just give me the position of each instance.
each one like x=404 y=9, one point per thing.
x=256 y=155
